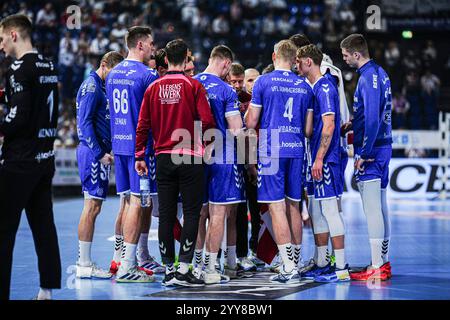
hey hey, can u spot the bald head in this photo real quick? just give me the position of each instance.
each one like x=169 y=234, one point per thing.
x=250 y=77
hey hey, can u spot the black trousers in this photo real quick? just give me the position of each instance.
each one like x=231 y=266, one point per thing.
x=28 y=186
x=187 y=180
x=252 y=204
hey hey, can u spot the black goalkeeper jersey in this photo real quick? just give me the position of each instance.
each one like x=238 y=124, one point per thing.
x=31 y=93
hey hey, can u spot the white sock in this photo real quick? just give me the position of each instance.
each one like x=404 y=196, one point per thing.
x=44 y=294
x=210 y=259
x=231 y=257
x=118 y=244
x=129 y=255
x=183 y=268
x=142 y=249
x=385 y=251
x=340 y=258
x=376 y=251
x=84 y=253
x=316 y=254
x=322 y=256
x=198 y=258
x=170 y=268
x=297 y=253
x=287 y=256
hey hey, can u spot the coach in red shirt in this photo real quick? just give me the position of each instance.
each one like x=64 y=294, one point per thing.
x=172 y=108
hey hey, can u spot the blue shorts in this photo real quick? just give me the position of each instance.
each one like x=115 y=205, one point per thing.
x=127 y=179
x=276 y=185
x=94 y=176
x=328 y=187
x=226 y=183
x=378 y=169
x=344 y=161
x=309 y=184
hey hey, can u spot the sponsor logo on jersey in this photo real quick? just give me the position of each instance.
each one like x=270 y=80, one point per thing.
x=170 y=93
x=16 y=65
x=48 y=79
x=47 y=133
x=375 y=81
x=16 y=87
x=11 y=115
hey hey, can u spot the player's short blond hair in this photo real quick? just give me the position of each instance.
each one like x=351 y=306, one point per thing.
x=285 y=50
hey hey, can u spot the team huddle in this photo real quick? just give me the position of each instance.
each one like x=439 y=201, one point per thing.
x=220 y=149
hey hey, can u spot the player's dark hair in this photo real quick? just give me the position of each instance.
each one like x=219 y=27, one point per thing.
x=268 y=69
x=112 y=59
x=237 y=69
x=20 y=22
x=222 y=52
x=176 y=51
x=310 y=51
x=356 y=43
x=136 y=34
x=160 y=58
x=300 y=40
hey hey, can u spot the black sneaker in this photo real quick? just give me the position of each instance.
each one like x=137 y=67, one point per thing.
x=169 y=279
x=188 y=280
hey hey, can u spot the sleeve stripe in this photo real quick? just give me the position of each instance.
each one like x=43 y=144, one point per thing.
x=256 y=105
x=327 y=113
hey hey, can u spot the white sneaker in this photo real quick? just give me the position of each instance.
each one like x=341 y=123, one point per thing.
x=247 y=264
x=198 y=273
x=153 y=265
x=276 y=264
x=133 y=275
x=256 y=261
x=286 y=277
x=92 y=272
x=212 y=276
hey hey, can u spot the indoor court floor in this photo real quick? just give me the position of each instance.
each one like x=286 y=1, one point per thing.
x=419 y=254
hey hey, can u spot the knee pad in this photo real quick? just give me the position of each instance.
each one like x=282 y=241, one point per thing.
x=320 y=224
x=330 y=211
x=371 y=200
x=385 y=210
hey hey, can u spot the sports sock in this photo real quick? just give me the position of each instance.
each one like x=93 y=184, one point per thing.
x=316 y=254
x=142 y=249
x=340 y=258
x=84 y=253
x=387 y=225
x=231 y=257
x=210 y=259
x=322 y=256
x=183 y=268
x=198 y=256
x=297 y=253
x=170 y=268
x=376 y=250
x=118 y=244
x=129 y=255
x=44 y=294
x=287 y=256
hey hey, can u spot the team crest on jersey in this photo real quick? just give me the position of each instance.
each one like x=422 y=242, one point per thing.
x=130 y=72
x=286 y=73
x=387 y=117
x=211 y=85
x=16 y=65
x=16 y=87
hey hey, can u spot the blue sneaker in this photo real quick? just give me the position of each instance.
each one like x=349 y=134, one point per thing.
x=334 y=275
x=315 y=271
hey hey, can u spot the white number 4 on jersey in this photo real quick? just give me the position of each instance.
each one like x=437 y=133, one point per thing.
x=288 y=109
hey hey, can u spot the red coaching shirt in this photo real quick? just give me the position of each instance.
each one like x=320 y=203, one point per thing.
x=170 y=103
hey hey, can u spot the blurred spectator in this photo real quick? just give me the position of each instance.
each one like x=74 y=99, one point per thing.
x=392 y=54
x=411 y=61
x=430 y=84
x=46 y=17
x=400 y=107
x=284 y=26
x=314 y=29
x=346 y=14
x=412 y=94
x=119 y=31
x=220 y=25
x=99 y=45
x=269 y=26
x=235 y=12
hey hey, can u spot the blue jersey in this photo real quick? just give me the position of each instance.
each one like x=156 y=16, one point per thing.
x=93 y=121
x=125 y=88
x=372 y=109
x=224 y=103
x=284 y=98
x=326 y=101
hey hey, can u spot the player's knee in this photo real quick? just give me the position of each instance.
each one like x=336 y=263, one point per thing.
x=331 y=213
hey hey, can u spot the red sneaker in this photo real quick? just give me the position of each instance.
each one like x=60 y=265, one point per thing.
x=147 y=271
x=114 y=267
x=383 y=273
x=387 y=269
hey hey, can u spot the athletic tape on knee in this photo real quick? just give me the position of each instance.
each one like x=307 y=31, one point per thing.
x=330 y=211
x=320 y=224
x=371 y=200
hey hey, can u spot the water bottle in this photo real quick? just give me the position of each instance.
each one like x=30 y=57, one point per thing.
x=144 y=186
